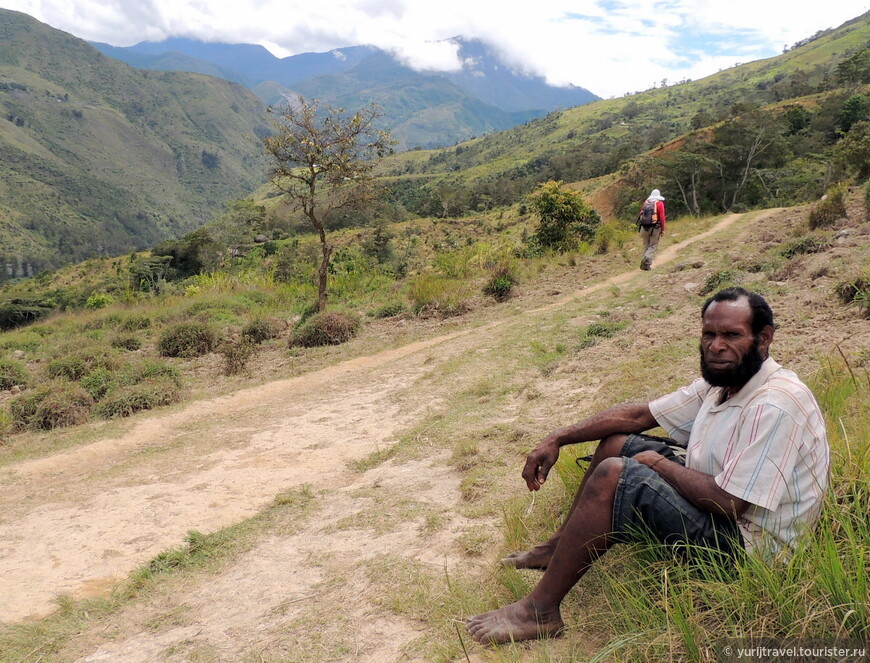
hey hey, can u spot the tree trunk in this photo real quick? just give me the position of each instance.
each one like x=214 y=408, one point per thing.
x=322 y=273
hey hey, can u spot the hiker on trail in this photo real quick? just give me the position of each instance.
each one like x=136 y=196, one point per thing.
x=745 y=468
x=651 y=224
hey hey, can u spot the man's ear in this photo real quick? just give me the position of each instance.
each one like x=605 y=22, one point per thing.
x=765 y=338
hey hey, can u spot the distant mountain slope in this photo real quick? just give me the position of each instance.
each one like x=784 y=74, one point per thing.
x=600 y=139
x=486 y=95
x=97 y=157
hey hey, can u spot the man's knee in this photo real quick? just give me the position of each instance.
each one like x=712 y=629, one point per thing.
x=605 y=477
x=611 y=446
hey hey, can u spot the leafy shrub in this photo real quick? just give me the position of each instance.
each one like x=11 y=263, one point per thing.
x=125 y=400
x=806 y=244
x=99 y=300
x=12 y=373
x=261 y=329
x=825 y=212
x=187 y=340
x=51 y=405
x=126 y=342
x=327 y=328
x=502 y=278
x=499 y=286
x=565 y=217
x=236 y=356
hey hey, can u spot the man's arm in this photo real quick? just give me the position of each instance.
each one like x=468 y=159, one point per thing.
x=699 y=488
x=627 y=418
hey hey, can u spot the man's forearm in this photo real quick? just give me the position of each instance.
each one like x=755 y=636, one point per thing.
x=699 y=488
x=626 y=418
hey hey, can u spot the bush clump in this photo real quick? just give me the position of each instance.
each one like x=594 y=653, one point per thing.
x=126 y=400
x=77 y=364
x=825 y=212
x=54 y=404
x=806 y=244
x=261 y=329
x=134 y=322
x=855 y=292
x=388 y=310
x=12 y=373
x=502 y=279
x=187 y=340
x=327 y=328
x=236 y=355
x=126 y=342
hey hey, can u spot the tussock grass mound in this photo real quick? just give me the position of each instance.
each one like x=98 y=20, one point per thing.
x=187 y=340
x=53 y=404
x=328 y=328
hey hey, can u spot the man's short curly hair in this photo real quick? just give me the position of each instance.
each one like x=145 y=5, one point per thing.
x=762 y=315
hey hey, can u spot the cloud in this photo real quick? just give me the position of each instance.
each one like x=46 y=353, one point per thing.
x=608 y=46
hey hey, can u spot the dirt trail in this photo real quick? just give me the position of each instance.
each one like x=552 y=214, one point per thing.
x=79 y=521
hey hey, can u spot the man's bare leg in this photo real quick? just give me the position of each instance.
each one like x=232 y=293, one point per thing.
x=584 y=536
x=539 y=556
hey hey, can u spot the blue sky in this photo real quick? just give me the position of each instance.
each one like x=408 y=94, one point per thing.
x=607 y=46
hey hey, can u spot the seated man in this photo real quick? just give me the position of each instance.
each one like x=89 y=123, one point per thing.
x=747 y=467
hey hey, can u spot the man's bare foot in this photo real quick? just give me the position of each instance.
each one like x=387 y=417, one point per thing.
x=515 y=622
x=536 y=558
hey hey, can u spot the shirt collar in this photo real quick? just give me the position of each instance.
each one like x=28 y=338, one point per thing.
x=741 y=398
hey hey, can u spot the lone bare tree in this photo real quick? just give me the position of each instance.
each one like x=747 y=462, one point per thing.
x=322 y=160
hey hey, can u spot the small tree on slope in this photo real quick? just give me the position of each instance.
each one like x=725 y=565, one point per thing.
x=322 y=160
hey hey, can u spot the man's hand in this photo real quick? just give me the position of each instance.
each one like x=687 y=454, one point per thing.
x=539 y=462
x=648 y=458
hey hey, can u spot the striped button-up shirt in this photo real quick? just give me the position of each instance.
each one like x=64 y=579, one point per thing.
x=765 y=445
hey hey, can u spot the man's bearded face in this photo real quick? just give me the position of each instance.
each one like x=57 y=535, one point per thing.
x=734 y=376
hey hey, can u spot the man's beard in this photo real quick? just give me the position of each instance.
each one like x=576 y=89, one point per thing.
x=737 y=376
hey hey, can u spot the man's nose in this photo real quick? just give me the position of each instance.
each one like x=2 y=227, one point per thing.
x=717 y=344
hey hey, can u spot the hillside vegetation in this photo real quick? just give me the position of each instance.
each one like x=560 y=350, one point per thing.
x=97 y=158
x=759 y=134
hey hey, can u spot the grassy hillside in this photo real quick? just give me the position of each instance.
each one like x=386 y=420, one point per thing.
x=607 y=136
x=99 y=158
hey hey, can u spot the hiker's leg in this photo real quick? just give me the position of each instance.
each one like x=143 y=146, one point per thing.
x=645 y=235
x=585 y=536
x=539 y=556
x=650 y=245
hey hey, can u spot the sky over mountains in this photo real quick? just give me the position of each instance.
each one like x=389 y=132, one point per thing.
x=607 y=46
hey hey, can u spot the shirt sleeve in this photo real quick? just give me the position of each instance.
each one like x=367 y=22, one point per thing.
x=759 y=470
x=676 y=412
x=661 y=213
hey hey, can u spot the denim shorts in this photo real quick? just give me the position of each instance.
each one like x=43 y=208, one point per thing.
x=645 y=504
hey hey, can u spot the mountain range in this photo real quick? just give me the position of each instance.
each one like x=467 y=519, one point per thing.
x=421 y=109
x=97 y=157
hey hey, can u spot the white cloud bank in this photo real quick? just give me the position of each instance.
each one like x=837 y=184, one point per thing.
x=610 y=47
